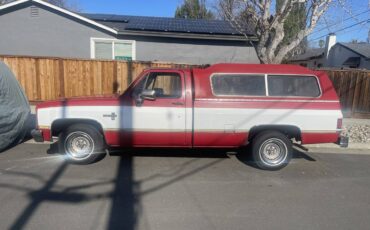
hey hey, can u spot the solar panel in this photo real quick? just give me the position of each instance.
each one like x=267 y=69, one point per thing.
x=183 y=25
x=123 y=22
x=107 y=17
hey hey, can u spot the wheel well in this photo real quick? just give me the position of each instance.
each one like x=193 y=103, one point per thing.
x=59 y=125
x=290 y=131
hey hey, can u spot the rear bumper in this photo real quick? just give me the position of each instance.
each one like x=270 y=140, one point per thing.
x=343 y=141
x=37 y=135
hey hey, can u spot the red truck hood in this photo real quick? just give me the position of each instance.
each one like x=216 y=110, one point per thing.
x=81 y=101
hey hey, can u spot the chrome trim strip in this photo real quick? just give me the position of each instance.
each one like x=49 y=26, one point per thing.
x=211 y=130
x=263 y=100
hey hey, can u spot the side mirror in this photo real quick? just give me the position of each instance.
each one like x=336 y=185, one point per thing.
x=145 y=95
x=148 y=94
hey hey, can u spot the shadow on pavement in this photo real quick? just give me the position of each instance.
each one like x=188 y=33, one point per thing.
x=124 y=210
x=174 y=152
x=125 y=198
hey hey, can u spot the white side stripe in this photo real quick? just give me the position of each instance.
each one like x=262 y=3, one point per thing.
x=228 y=120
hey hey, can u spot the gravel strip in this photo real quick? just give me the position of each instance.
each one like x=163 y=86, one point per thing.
x=357 y=133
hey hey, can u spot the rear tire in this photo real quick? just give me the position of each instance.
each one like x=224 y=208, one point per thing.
x=81 y=144
x=271 y=150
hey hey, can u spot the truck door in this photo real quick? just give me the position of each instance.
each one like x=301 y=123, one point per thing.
x=159 y=113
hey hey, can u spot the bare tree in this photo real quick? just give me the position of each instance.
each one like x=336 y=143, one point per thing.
x=268 y=19
x=195 y=9
x=226 y=8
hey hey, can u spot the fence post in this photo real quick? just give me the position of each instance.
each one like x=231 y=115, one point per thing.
x=61 y=78
x=356 y=95
x=115 y=77
x=129 y=72
x=38 y=81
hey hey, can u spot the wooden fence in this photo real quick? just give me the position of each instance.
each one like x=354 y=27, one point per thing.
x=52 y=78
x=353 y=88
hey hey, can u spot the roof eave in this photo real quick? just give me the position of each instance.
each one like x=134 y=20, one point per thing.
x=188 y=35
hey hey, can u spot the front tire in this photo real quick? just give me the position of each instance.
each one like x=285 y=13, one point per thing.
x=271 y=150
x=81 y=144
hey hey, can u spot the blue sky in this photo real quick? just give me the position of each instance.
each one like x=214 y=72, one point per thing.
x=336 y=18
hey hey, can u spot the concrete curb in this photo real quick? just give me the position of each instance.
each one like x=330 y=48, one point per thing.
x=353 y=148
x=361 y=146
x=38 y=143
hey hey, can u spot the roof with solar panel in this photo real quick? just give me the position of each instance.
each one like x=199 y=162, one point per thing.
x=124 y=23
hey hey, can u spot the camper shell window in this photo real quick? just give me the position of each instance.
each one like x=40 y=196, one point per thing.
x=293 y=86
x=238 y=85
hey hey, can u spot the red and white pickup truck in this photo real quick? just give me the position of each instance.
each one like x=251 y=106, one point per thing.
x=221 y=106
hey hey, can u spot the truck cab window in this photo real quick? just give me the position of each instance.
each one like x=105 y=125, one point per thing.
x=165 y=85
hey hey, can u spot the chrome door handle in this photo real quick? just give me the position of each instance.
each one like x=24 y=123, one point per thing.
x=177 y=103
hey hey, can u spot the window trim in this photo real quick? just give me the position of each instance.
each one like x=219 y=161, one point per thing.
x=93 y=41
x=267 y=86
x=266 y=76
x=251 y=74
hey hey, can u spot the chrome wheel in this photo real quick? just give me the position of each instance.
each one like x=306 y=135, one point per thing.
x=273 y=152
x=79 y=145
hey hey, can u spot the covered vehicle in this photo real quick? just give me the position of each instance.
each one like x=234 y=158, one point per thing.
x=14 y=109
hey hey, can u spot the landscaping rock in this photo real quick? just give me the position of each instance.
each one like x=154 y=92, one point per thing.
x=357 y=133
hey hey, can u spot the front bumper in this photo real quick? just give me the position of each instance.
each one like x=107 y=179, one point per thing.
x=37 y=135
x=343 y=141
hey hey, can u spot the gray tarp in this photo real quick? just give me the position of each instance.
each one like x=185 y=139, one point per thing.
x=14 y=109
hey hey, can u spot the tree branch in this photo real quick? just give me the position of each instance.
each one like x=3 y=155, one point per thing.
x=318 y=9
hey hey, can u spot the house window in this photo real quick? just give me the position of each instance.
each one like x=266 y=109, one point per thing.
x=113 y=49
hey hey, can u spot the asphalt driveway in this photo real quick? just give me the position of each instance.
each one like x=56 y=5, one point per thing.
x=176 y=189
